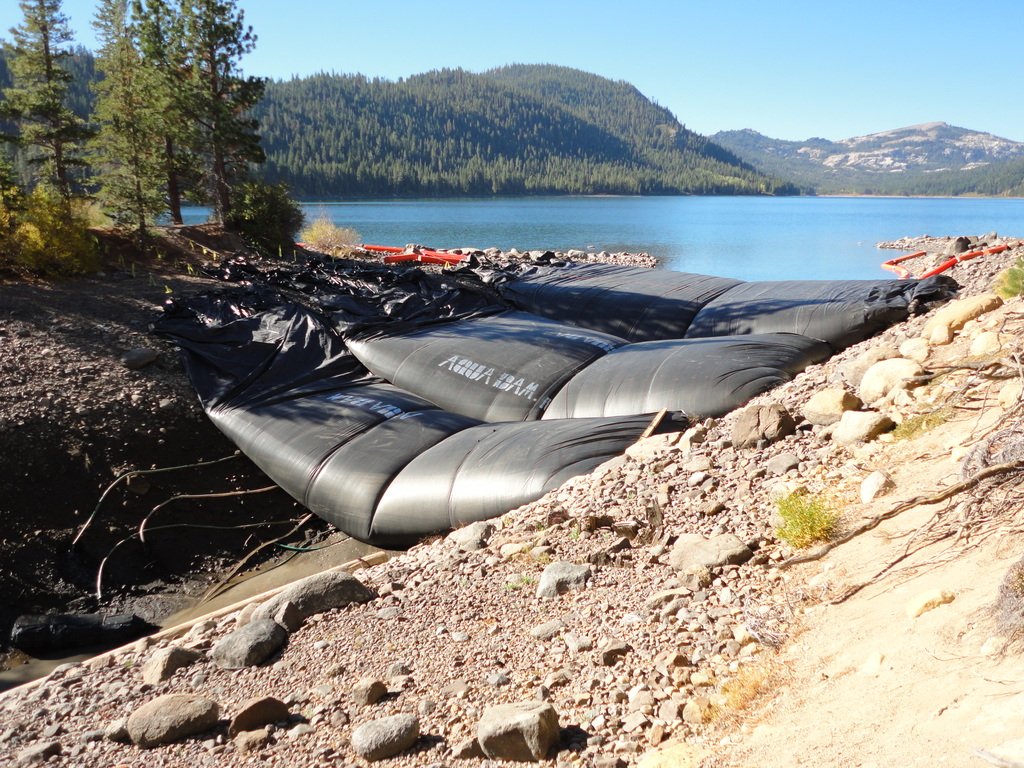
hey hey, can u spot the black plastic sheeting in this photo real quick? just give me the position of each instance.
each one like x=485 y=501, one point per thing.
x=503 y=367
x=838 y=312
x=72 y=630
x=633 y=303
x=646 y=305
x=354 y=449
x=701 y=377
x=396 y=404
x=487 y=470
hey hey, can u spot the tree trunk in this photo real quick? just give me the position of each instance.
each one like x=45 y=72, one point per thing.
x=173 y=189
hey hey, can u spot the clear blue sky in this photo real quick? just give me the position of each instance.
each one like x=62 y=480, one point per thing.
x=790 y=69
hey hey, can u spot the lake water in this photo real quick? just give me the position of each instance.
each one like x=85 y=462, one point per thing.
x=751 y=238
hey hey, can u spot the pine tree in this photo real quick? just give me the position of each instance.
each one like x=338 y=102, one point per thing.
x=129 y=148
x=162 y=46
x=36 y=101
x=216 y=38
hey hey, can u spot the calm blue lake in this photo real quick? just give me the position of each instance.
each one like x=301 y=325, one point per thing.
x=750 y=238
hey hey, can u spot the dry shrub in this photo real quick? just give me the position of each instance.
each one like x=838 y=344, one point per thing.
x=327 y=237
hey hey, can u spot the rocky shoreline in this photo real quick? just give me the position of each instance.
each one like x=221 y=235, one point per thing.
x=592 y=627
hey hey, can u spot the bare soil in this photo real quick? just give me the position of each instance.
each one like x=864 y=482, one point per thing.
x=74 y=418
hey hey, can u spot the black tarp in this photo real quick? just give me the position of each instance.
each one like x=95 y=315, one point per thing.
x=633 y=303
x=485 y=471
x=273 y=369
x=701 y=377
x=503 y=367
x=279 y=381
x=648 y=305
x=840 y=312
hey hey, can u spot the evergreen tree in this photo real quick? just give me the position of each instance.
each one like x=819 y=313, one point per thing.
x=129 y=148
x=162 y=46
x=216 y=38
x=36 y=101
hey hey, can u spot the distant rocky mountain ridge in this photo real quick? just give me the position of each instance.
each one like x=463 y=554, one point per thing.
x=930 y=158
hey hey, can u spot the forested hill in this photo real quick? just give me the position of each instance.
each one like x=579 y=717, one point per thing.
x=512 y=131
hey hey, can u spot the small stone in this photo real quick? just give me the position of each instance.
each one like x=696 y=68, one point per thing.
x=783 y=463
x=876 y=484
x=38 y=753
x=916 y=349
x=252 y=741
x=547 y=630
x=928 y=601
x=886 y=376
x=137 y=358
x=367 y=691
x=166 y=661
x=255 y=713
x=250 y=645
x=860 y=427
x=560 y=577
x=611 y=649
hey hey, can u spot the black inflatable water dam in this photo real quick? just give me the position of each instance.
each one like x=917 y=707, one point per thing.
x=397 y=404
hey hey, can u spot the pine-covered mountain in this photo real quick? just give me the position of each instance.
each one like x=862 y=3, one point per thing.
x=516 y=130
x=931 y=159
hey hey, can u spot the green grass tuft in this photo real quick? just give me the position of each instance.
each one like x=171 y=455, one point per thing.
x=806 y=520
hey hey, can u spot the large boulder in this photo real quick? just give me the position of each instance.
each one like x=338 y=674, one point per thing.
x=827 y=406
x=692 y=550
x=886 y=376
x=522 y=732
x=250 y=645
x=317 y=594
x=172 y=717
x=957 y=314
x=386 y=737
x=860 y=427
x=762 y=422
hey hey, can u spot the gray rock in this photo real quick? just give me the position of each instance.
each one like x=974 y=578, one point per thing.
x=876 y=484
x=548 y=629
x=468 y=749
x=38 y=753
x=560 y=577
x=611 y=649
x=473 y=536
x=367 y=691
x=885 y=376
x=781 y=464
x=250 y=645
x=577 y=643
x=860 y=427
x=166 y=661
x=257 y=712
x=172 y=717
x=386 y=737
x=827 y=406
x=762 y=422
x=317 y=594
x=524 y=731
x=252 y=741
x=137 y=358
x=117 y=731
x=692 y=549
x=854 y=370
